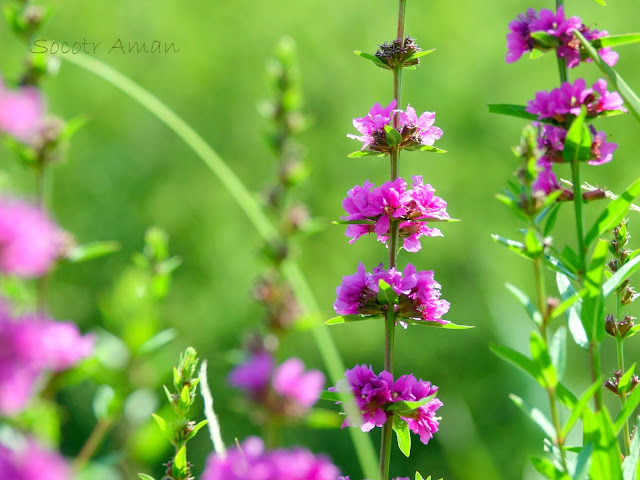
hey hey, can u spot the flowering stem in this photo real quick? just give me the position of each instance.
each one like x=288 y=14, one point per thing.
x=620 y=352
x=402 y=6
x=385 y=448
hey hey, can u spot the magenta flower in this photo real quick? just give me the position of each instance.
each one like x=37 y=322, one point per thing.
x=254 y=462
x=31 y=345
x=568 y=46
x=21 y=112
x=415 y=131
x=375 y=394
x=392 y=201
x=546 y=181
x=560 y=103
x=286 y=389
x=30 y=461
x=30 y=242
x=291 y=381
x=418 y=294
x=253 y=375
x=551 y=144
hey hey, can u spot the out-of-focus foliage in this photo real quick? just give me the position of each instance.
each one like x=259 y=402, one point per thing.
x=125 y=171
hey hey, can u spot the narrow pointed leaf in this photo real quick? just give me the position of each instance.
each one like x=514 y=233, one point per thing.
x=513 y=245
x=605 y=459
x=421 y=53
x=576 y=413
x=144 y=476
x=518 y=111
x=546 y=467
x=532 y=311
x=625 y=412
x=403 y=435
x=593 y=304
x=446 y=326
x=616 y=40
x=406 y=407
x=617 y=278
x=179 y=467
x=535 y=415
x=614 y=213
x=540 y=356
x=577 y=145
x=365 y=153
x=582 y=462
x=625 y=381
x=89 y=251
x=350 y=318
x=630 y=464
x=372 y=58
x=545 y=39
x=430 y=148
x=386 y=294
x=419 y=477
x=558 y=351
x=630 y=97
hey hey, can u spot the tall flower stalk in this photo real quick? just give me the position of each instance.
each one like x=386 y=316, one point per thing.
x=399 y=217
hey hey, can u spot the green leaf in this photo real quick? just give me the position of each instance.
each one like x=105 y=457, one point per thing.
x=424 y=323
x=333 y=396
x=605 y=459
x=601 y=2
x=614 y=213
x=545 y=40
x=366 y=153
x=144 y=476
x=577 y=145
x=179 y=468
x=534 y=248
x=350 y=318
x=625 y=412
x=407 y=407
x=72 y=126
x=582 y=462
x=386 y=295
x=513 y=245
x=565 y=305
x=629 y=96
x=89 y=251
x=393 y=136
x=535 y=415
x=184 y=403
x=164 y=428
x=196 y=429
x=547 y=468
x=625 y=381
x=402 y=434
x=576 y=412
x=535 y=54
x=321 y=418
x=513 y=111
x=373 y=59
x=593 y=304
x=353 y=222
x=427 y=148
x=558 y=266
x=421 y=54
x=558 y=351
x=620 y=276
x=419 y=477
x=551 y=219
x=540 y=355
x=532 y=311
x=158 y=341
x=616 y=40
x=570 y=258
x=630 y=464
x=527 y=365
x=575 y=324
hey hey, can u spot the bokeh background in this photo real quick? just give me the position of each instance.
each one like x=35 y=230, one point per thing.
x=126 y=171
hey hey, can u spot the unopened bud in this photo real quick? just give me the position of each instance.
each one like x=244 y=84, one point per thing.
x=591 y=195
x=611 y=326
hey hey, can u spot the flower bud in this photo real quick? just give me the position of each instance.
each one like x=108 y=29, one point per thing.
x=611 y=326
x=596 y=194
x=398 y=53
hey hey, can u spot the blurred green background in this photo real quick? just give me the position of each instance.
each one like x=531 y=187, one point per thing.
x=126 y=171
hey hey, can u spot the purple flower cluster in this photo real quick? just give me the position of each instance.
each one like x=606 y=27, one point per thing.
x=21 y=112
x=31 y=345
x=32 y=462
x=297 y=390
x=374 y=394
x=29 y=241
x=561 y=103
x=568 y=46
x=418 y=293
x=251 y=460
x=415 y=131
x=393 y=202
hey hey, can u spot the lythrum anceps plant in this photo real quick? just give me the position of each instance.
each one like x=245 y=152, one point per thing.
x=563 y=135
x=399 y=215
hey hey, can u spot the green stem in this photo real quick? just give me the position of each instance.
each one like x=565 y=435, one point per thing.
x=542 y=306
x=385 y=448
x=93 y=442
x=620 y=354
x=248 y=204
